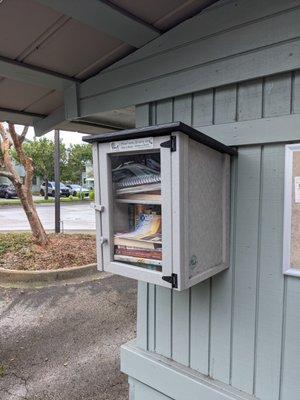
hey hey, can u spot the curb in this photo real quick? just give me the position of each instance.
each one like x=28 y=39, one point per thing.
x=17 y=276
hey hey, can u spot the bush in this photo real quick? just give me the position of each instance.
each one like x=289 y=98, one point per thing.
x=80 y=196
x=92 y=195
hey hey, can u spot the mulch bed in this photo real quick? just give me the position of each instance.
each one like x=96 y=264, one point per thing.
x=19 y=252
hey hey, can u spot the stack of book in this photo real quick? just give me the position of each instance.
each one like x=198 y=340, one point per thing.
x=142 y=246
x=143 y=188
x=140 y=187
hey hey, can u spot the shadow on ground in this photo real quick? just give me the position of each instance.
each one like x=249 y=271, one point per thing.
x=62 y=342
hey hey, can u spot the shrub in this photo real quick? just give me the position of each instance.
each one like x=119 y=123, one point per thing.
x=92 y=195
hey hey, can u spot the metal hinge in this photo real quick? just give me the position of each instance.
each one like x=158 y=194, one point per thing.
x=170 y=144
x=173 y=279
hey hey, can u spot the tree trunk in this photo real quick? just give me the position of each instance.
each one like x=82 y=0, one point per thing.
x=46 y=189
x=23 y=189
x=36 y=226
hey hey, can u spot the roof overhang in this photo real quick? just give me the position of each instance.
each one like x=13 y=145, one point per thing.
x=60 y=45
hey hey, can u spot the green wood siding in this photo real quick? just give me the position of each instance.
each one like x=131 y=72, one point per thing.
x=231 y=42
x=240 y=327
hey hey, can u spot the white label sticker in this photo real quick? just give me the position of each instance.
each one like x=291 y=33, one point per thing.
x=297 y=189
x=132 y=144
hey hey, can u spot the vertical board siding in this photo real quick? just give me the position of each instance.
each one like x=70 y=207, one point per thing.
x=142 y=316
x=181 y=327
x=271 y=280
x=221 y=303
x=242 y=326
x=277 y=95
x=183 y=109
x=203 y=108
x=199 y=329
x=246 y=254
x=163 y=321
x=249 y=100
x=291 y=349
x=151 y=316
x=225 y=104
x=296 y=92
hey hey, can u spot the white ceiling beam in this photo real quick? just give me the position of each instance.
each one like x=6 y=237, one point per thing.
x=106 y=18
x=33 y=75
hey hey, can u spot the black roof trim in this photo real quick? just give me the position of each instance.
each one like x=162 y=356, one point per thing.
x=158 y=130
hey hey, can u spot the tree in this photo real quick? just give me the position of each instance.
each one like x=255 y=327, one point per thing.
x=42 y=153
x=78 y=155
x=9 y=140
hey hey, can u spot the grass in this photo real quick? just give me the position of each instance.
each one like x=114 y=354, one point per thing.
x=14 y=202
x=13 y=241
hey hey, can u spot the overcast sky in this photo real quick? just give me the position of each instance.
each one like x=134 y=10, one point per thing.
x=67 y=137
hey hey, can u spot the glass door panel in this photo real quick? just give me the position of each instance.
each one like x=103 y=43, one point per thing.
x=137 y=209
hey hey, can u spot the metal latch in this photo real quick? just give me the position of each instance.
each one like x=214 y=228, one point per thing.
x=102 y=240
x=173 y=279
x=98 y=207
x=170 y=144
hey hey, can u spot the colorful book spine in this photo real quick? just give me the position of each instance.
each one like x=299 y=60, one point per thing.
x=139 y=253
x=137 y=260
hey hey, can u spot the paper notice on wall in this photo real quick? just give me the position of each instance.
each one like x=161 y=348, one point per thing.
x=297 y=189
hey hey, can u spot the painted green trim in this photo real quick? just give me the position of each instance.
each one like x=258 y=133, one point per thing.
x=275 y=59
x=259 y=131
x=172 y=379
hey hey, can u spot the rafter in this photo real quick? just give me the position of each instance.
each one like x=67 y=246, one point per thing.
x=106 y=18
x=33 y=75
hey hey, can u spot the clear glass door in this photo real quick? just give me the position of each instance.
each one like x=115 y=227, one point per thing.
x=137 y=209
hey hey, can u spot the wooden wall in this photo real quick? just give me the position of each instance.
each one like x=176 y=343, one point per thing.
x=241 y=327
x=232 y=41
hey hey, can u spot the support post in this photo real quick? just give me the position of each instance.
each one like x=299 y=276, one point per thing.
x=57 y=180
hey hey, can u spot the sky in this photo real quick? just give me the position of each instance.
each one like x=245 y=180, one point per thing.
x=68 y=138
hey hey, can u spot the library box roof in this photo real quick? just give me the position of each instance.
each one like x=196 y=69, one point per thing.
x=158 y=130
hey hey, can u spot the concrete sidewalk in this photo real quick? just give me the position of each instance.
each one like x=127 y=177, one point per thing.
x=75 y=217
x=62 y=342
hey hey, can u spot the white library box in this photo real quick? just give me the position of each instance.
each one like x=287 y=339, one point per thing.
x=162 y=202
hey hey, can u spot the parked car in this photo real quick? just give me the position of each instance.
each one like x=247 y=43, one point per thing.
x=64 y=191
x=75 y=189
x=7 y=191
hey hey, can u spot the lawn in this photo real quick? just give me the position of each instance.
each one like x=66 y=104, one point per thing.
x=18 y=251
x=14 y=202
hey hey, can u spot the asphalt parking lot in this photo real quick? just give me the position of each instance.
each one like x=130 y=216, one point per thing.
x=74 y=217
x=62 y=342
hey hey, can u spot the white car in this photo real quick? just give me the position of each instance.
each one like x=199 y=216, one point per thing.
x=75 y=189
x=64 y=191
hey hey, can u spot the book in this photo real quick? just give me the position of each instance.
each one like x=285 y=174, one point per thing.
x=147 y=232
x=139 y=253
x=139 y=189
x=118 y=241
x=137 y=260
x=138 y=180
x=148 y=229
x=140 y=197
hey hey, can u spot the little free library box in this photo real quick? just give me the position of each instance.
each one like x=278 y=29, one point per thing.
x=162 y=201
